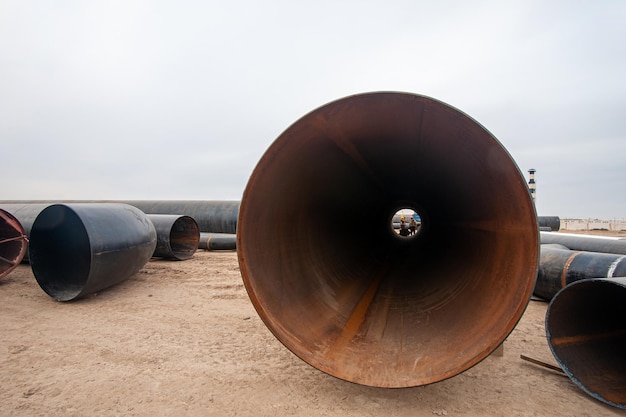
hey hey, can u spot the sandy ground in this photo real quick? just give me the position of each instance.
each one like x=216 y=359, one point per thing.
x=182 y=339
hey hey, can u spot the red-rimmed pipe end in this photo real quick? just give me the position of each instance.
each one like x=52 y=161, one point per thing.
x=13 y=243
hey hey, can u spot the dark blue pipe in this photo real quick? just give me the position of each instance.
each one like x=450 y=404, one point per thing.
x=78 y=249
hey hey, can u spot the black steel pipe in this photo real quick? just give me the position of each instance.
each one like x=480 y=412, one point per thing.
x=13 y=243
x=559 y=267
x=218 y=241
x=365 y=304
x=78 y=249
x=589 y=243
x=586 y=331
x=552 y=223
x=177 y=236
x=214 y=216
x=211 y=216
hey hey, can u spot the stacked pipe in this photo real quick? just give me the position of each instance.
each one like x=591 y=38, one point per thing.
x=584 y=278
x=566 y=258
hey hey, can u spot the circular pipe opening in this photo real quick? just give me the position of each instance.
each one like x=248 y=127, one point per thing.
x=406 y=223
x=59 y=252
x=184 y=237
x=586 y=332
x=345 y=293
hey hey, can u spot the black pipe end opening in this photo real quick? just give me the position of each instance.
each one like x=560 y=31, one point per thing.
x=586 y=331
x=184 y=237
x=59 y=252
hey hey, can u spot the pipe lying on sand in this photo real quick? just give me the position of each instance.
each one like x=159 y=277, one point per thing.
x=589 y=243
x=559 y=266
x=13 y=243
x=362 y=303
x=177 y=236
x=78 y=249
x=213 y=216
x=586 y=331
x=218 y=241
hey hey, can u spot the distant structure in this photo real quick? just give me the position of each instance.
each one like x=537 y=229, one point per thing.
x=531 y=183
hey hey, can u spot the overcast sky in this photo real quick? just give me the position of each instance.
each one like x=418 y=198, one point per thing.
x=180 y=99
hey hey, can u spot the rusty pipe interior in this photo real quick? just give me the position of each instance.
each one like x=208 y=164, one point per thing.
x=340 y=288
x=586 y=333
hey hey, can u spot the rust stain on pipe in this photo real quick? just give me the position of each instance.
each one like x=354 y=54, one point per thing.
x=566 y=268
x=315 y=226
x=351 y=327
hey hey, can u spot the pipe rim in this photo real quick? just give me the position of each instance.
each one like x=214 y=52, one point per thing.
x=563 y=322
x=60 y=252
x=252 y=213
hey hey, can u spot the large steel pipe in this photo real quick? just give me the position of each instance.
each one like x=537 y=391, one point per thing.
x=586 y=331
x=337 y=286
x=589 y=243
x=177 y=236
x=559 y=267
x=13 y=243
x=216 y=216
x=78 y=249
x=211 y=216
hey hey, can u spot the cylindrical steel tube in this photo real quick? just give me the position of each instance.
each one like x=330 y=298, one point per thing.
x=551 y=222
x=78 y=249
x=586 y=331
x=589 y=243
x=13 y=243
x=25 y=213
x=212 y=216
x=177 y=236
x=218 y=241
x=362 y=303
x=559 y=267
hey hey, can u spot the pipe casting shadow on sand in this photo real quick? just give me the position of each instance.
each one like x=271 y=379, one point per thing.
x=362 y=303
x=78 y=249
x=586 y=331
